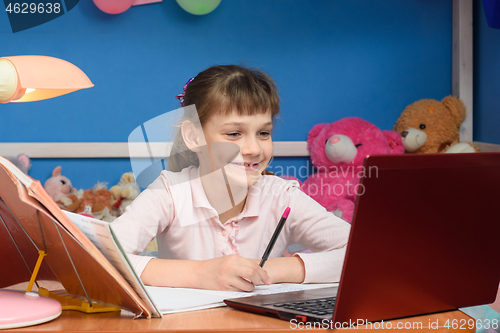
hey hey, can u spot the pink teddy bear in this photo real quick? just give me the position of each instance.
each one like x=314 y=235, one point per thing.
x=58 y=186
x=337 y=152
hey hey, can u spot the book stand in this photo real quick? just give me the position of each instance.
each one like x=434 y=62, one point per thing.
x=19 y=309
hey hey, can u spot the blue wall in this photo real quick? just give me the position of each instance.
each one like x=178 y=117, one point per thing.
x=486 y=78
x=330 y=59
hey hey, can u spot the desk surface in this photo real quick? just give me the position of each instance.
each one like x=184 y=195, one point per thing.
x=219 y=319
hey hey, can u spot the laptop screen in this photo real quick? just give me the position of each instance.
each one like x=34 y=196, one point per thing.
x=424 y=237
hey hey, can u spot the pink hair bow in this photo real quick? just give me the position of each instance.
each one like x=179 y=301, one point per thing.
x=181 y=96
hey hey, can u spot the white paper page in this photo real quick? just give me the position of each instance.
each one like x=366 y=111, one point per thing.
x=100 y=234
x=271 y=289
x=172 y=300
x=23 y=178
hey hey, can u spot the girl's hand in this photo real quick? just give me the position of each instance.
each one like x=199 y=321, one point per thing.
x=232 y=273
x=284 y=269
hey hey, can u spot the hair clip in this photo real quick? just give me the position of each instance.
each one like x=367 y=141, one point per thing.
x=181 y=96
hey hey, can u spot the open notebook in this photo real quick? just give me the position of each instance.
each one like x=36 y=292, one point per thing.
x=172 y=300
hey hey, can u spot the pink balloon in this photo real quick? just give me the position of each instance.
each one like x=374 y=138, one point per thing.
x=113 y=6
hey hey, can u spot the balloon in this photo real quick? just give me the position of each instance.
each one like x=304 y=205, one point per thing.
x=198 y=7
x=113 y=6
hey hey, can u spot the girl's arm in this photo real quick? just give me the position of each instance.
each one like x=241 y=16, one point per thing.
x=149 y=215
x=225 y=273
x=232 y=273
x=285 y=269
x=310 y=225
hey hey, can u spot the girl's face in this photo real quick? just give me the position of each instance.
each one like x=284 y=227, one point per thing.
x=252 y=134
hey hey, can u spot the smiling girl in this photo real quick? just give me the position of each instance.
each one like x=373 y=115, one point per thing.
x=215 y=210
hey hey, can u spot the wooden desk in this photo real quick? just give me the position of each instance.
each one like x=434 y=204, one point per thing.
x=221 y=319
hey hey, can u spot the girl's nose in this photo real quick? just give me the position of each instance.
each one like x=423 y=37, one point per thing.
x=251 y=146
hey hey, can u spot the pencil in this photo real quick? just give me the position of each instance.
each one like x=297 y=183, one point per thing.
x=270 y=246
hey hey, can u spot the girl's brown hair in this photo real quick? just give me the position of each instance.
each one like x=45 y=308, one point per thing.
x=222 y=90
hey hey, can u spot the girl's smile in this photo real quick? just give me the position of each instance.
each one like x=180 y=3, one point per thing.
x=252 y=135
x=248 y=166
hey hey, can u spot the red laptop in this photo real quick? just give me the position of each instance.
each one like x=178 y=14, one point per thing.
x=424 y=239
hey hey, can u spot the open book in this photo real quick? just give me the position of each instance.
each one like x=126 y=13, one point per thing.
x=30 y=221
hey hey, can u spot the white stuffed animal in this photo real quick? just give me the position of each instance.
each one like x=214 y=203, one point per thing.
x=124 y=193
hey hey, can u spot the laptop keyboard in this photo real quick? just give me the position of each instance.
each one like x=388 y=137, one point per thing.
x=320 y=306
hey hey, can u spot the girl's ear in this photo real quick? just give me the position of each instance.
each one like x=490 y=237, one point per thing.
x=193 y=136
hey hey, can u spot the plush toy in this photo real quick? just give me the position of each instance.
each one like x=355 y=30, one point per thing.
x=22 y=161
x=58 y=186
x=71 y=202
x=430 y=126
x=96 y=202
x=124 y=193
x=337 y=152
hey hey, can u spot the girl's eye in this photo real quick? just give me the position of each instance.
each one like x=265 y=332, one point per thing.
x=265 y=134
x=233 y=134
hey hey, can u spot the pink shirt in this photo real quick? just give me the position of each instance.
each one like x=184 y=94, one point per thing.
x=188 y=227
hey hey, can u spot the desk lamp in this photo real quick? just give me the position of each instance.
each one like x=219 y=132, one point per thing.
x=35 y=78
x=26 y=79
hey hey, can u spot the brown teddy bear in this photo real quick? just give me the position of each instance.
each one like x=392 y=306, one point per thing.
x=430 y=126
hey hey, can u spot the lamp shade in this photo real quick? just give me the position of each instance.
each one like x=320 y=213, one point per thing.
x=34 y=78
